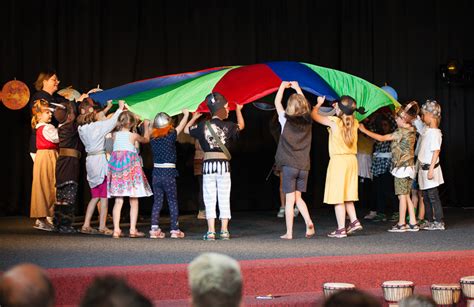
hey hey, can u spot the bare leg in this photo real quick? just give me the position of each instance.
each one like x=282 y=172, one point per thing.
x=351 y=211
x=421 y=206
x=224 y=224
x=402 y=208
x=411 y=210
x=133 y=214
x=116 y=213
x=89 y=211
x=305 y=213
x=289 y=215
x=103 y=213
x=211 y=225
x=340 y=210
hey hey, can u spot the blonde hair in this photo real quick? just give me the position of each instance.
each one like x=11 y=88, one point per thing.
x=43 y=76
x=126 y=120
x=39 y=107
x=297 y=105
x=347 y=121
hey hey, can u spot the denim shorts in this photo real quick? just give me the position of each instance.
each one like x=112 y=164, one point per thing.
x=294 y=179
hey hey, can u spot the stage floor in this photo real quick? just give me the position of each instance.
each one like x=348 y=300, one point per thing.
x=255 y=235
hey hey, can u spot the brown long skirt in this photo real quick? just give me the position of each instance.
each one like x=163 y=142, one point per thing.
x=43 y=189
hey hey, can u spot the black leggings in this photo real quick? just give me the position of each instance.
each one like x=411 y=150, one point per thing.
x=433 y=207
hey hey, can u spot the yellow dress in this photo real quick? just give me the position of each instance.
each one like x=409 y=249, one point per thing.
x=341 y=177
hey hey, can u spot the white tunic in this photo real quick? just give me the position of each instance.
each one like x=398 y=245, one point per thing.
x=430 y=141
x=93 y=137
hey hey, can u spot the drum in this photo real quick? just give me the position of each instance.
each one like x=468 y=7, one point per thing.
x=332 y=287
x=395 y=290
x=467 y=286
x=446 y=294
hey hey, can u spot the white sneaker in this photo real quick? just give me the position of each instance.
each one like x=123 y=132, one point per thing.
x=281 y=213
x=371 y=215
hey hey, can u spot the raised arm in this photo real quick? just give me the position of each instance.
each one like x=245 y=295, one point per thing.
x=295 y=85
x=108 y=107
x=375 y=136
x=323 y=120
x=146 y=134
x=196 y=115
x=183 y=121
x=240 y=118
x=279 y=96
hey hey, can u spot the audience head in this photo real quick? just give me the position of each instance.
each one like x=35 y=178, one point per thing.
x=111 y=291
x=417 y=301
x=26 y=285
x=215 y=280
x=353 y=298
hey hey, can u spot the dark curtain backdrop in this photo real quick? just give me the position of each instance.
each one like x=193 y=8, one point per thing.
x=113 y=42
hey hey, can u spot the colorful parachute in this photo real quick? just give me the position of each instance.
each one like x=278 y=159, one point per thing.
x=242 y=84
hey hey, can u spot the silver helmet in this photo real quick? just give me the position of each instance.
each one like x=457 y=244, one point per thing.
x=161 y=120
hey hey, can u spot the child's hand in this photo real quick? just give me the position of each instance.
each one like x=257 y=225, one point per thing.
x=146 y=123
x=121 y=104
x=185 y=112
x=239 y=106
x=430 y=174
x=285 y=84
x=109 y=103
x=196 y=115
x=320 y=101
x=294 y=84
x=362 y=127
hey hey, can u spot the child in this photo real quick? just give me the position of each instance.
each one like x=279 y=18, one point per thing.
x=125 y=176
x=430 y=175
x=213 y=136
x=43 y=191
x=403 y=153
x=341 y=179
x=67 y=167
x=197 y=169
x=163 y=145
x=365 y=147
x=292 y=156
x=92 y=133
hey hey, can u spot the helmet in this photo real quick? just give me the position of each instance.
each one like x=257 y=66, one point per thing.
x=161 y=120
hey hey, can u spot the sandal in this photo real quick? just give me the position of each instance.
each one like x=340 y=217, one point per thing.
x=136 y=234
x=89 y=230
x=209 y=236
x=157 y=234
x=117 y=234
x=106 y=231
x=310 y=232
x=340 y=233
x=353 y=227
x=224 y=235
x=177 y=234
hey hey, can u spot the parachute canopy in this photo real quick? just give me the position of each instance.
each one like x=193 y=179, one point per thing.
x=241 y=85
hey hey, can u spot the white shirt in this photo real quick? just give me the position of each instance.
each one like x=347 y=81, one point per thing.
x=93 y=137
x=430 y=141
x=50 y=132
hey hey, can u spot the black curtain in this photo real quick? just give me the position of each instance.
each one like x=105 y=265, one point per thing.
x=112 y=42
